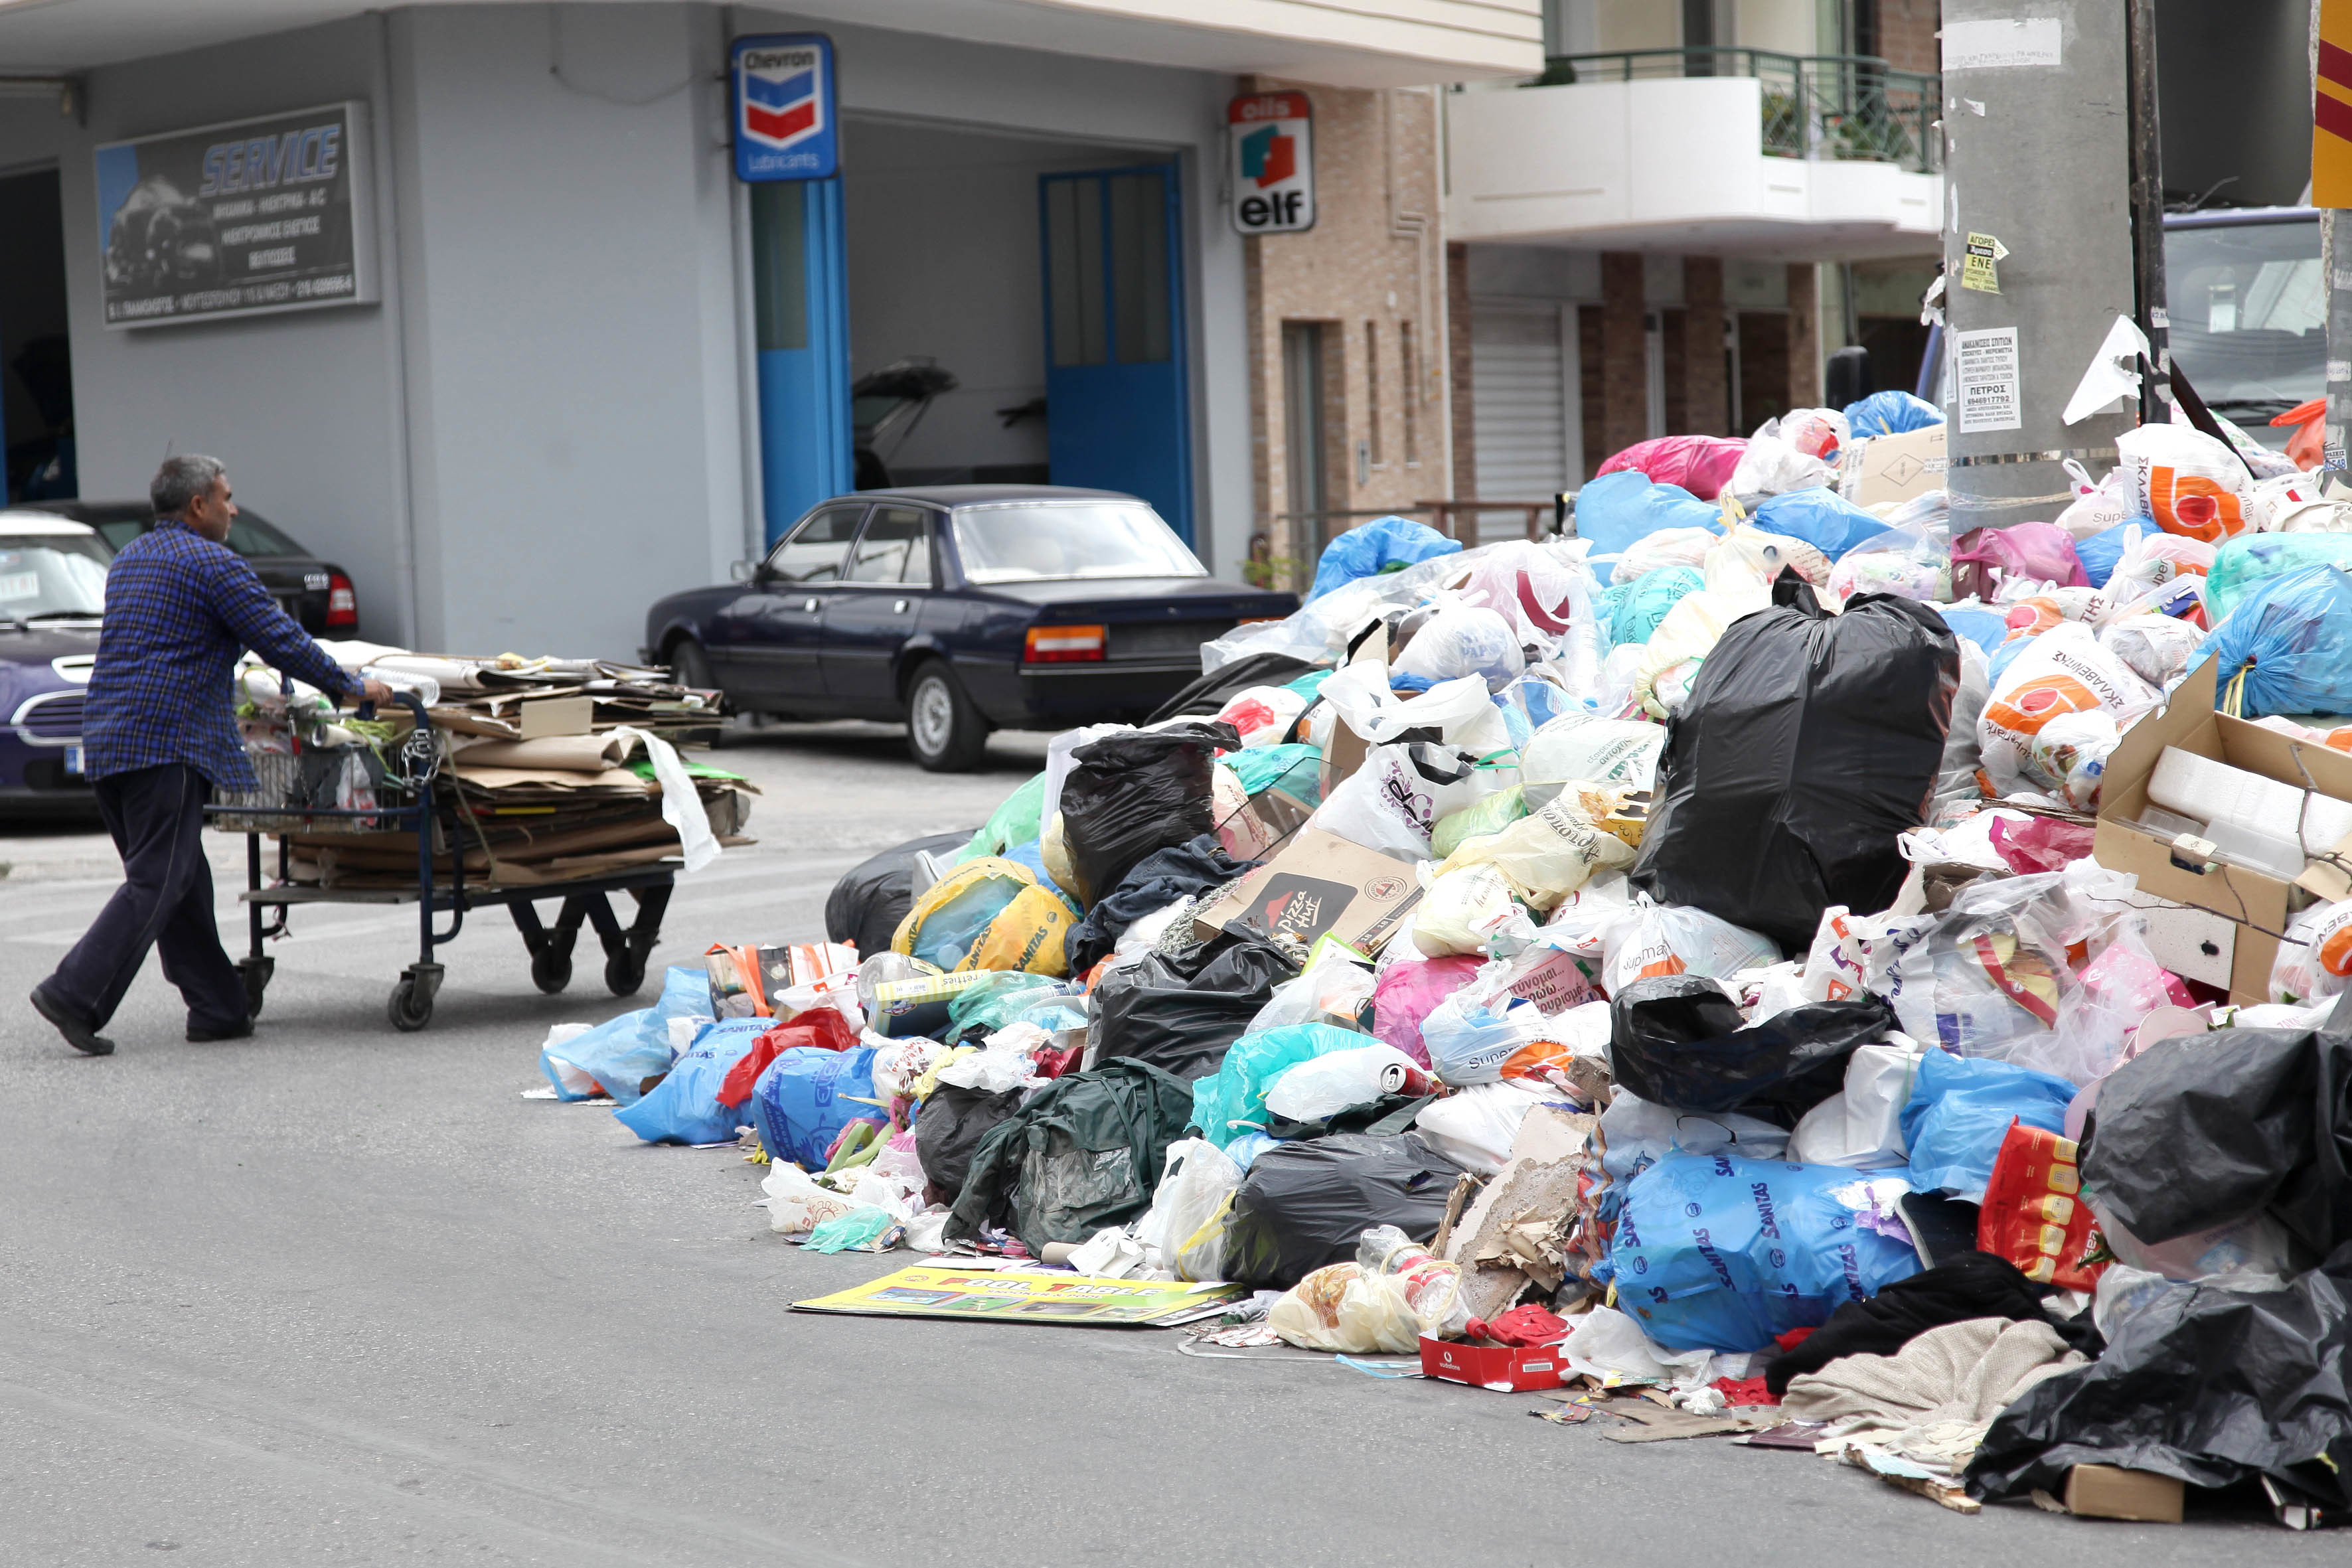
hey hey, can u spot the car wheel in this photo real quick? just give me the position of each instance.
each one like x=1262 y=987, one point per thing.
x=944 y=730
x=692 y=667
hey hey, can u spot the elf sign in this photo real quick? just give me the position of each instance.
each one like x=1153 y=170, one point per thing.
x=1273 y=172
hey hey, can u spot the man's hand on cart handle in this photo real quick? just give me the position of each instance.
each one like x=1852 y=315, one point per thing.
x=370 y=691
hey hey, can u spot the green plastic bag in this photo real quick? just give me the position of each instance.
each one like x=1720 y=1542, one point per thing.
x=1648 y=598
x=1231 y=1101
x=1476 y=820
x=859 y=1230
x=2242 y=565
x=1013 y=822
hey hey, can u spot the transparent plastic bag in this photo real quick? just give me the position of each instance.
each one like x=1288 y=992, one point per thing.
x=1674 y=939
x=1459 y=641
x=1341 y=1307
x=1433 y=1287
x=1468 y=910
x=1326 y=1085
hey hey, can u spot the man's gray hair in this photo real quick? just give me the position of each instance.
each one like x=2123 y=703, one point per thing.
x=182 y=479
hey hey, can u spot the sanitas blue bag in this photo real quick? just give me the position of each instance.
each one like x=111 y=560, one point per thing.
x=806 y=1096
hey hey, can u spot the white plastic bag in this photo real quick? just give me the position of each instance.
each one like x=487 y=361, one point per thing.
x=1262 y=714
x=1666 y=547
x=1772 y=466
x=2315 y=955
x=1197 y=1183
x=1332 y=989
x=1596 y=750
x=1854 y=954
x=1320 y=1086
x=2153 y=648
x=1546 y=855
x=1341 y=1307
x=1392 y=800
x=1468 y=1041
x=1459 y=641
x=1461 y=711
x=1466 y=910
x=796 y=1204
x=1474 y=1128
x=2190 y=483
x=1674 y=939
x=1684 y=639
x=1861 y=1124
x=2063 y=672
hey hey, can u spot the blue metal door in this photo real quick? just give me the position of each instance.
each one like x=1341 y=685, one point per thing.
x=801 y=310
x=1115 y=411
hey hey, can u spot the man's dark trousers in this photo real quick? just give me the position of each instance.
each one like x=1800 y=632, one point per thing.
x=156 y=816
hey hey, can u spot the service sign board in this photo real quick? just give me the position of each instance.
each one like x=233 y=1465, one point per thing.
x=240 y=219
x=785 y=122
x=1273 y=140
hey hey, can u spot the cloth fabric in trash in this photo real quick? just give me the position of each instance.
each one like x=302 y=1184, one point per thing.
x=1679 y=1041
x=1959 y=1110
x=1372 y=548
x=1702 y=465
x=1822 y=518
x=866 y=905
x=807 y=1096
x=1181 y=1016
x=1960 y=1373
x=1714 y=1252
x=948 y=1131
x=1157 y=880
x=1130 y=793
x=1618 y=510
x=626 y=1055
x=1810 y=741
x=2206 y=1384
x=2201 y=1129
x=2283 y=648
x=689 y=1105
x=1972 y=1287
x=1306 y=1205
x=1083 y=1153
x=1889 y=414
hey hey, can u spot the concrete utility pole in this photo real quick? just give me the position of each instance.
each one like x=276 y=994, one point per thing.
x=2037 y=245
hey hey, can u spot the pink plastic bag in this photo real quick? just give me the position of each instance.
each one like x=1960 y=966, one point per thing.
x=1699 y=464
x=1983 y=558
x=2040 y=845
x=1408 y=991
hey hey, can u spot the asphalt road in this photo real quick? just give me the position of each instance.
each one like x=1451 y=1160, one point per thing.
x=341 y=1294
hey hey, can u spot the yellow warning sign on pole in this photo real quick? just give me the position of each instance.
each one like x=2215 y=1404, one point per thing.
x=2331 y=108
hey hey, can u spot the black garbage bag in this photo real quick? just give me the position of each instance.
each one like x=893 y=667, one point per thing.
x=1222 y=685
x=1157 y=880
x=1305 y=1204
x=950 y=1130
x=872 y=897
x=1678 y=1040
x=1085 y=1153
x=2207 y=1385
x=1973 y=1285
x=1809 y=741
x=1130 y=793
x=1184 y=1017
x=1389 y=1113
x=2201 y=1130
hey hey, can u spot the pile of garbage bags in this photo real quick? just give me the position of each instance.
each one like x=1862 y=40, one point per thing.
x=1685 y=938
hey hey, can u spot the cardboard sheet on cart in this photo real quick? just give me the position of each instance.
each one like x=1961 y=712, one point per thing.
x=612 y=781
x=938 y=1290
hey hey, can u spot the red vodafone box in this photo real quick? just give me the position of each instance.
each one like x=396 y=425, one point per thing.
x=1506 y=1369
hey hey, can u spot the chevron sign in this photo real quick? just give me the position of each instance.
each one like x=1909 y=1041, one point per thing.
x=784 y=118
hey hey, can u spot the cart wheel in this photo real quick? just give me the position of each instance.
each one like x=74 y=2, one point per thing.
x=551 y=970
x=411 y=1007
x=256 y=973
x=624 y=972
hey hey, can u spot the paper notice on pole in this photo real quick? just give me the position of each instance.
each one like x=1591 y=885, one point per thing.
x=1999 y=41
x=1984 y=365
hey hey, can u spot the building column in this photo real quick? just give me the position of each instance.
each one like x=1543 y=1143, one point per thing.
x=1461 y=413
x=1624 y=368
x=1707 y=391
x=1805 y=337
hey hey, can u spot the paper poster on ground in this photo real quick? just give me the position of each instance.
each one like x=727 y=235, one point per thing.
x=935 y=1290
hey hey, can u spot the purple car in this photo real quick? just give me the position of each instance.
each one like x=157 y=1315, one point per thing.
x=52 y=591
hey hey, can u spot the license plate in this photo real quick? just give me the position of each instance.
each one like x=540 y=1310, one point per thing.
x=73 y=761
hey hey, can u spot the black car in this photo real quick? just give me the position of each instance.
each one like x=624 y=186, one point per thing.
x=316 y=593
x=960 y=609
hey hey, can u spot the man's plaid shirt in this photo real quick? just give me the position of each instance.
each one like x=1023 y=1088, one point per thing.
x=179 y=611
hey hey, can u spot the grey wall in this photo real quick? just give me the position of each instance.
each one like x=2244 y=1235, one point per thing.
x=2233 y=90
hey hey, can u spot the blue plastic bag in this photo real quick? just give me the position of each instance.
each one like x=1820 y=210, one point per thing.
x=1370 y=548
x=1890 y=414
x=2100 y=552
x=1648 y=598
x=1714 y=1252
x=622 y=1053
x=2004 y=655
x=1231 y=1101
x=1959 y=1110
x=683 y=1107
x=1985 y=628
x=1822 y=518
x=1618 y=510
x=2286 y=638
x=806 y=1096
x=1296 y=769
x=2244 y=563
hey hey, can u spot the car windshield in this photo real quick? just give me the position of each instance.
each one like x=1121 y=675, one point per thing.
x=2249 y=318
x=1023 y=542
x=252 y=538
x=52 y=575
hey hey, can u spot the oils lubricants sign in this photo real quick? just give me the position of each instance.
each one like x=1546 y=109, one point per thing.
x=785 y=120
x=1272 y=136
x=240 y=219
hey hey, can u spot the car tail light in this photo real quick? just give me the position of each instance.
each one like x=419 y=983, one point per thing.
x=1065 y=645
x=342 y=604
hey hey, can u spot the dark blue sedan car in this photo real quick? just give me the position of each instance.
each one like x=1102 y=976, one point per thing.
x=52 y=591
x=960 y=609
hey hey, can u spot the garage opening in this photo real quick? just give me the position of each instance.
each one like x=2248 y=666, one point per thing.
x=965 y=336
x=36 y=362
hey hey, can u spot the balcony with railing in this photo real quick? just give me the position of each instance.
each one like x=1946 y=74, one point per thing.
x=1731 y=150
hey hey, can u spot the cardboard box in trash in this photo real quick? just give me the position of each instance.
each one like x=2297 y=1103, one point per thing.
x=2110 y=1491
x=1320 y=884
x=2229 y=931
x=1506 y=1369
x=1893 y=468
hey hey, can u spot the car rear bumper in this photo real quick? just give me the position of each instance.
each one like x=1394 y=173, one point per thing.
x=1071 y=695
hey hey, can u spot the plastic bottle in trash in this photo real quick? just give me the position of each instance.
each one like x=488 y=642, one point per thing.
x=1433 y=1286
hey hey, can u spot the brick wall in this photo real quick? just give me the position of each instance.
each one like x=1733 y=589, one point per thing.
x=1457 y=359
x=1906 y=33
x=1706 y=399
x=1624 y=370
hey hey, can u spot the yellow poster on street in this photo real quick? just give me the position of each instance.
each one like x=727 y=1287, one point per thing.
x=2331 y=108
x=939 y=1290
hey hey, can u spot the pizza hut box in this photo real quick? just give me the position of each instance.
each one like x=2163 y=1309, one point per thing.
x=1320 y=885
x=1506 y=1369
x=1893 y=468
x=2226 y=932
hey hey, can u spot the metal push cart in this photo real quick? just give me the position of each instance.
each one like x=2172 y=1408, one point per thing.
x=410 y=1009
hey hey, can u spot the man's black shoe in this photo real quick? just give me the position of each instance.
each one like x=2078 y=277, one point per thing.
x=199 y=1036
x=78 y=1034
